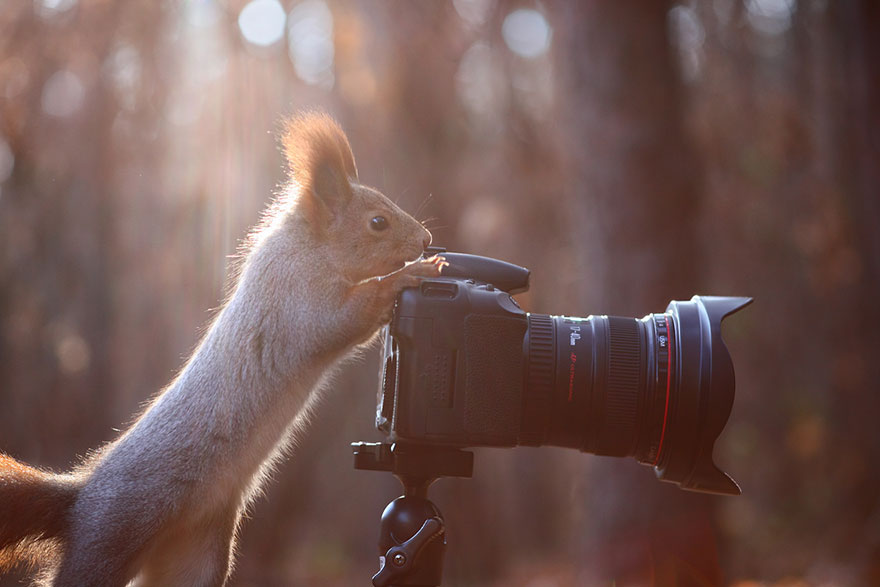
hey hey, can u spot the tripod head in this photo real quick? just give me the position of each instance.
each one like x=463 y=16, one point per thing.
x=412 y=536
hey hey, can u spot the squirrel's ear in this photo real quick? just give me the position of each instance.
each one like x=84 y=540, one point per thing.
x=320 y=161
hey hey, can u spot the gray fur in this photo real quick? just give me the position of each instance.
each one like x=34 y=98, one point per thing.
x=161 y=505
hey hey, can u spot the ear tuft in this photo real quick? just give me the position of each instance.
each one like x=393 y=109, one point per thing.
x=319 y=158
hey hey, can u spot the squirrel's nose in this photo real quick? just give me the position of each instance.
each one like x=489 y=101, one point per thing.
x=426 y=241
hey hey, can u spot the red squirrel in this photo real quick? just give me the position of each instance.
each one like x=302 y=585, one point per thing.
x=161 y=505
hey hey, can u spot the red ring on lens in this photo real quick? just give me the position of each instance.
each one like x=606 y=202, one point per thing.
x=668 y=383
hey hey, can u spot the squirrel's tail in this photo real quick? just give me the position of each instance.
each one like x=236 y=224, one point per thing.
x=34 y=508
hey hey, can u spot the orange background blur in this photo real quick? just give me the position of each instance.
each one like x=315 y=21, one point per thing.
x=629 y=153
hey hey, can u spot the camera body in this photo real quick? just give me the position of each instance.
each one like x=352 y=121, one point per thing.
x=465 y=366
x=453 y=370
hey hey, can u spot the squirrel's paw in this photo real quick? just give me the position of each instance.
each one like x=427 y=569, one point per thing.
x=413 y=274
x=384 y=290
x=409 y=276
x=431 y=267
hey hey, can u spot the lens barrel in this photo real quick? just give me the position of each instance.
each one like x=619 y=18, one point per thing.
x=597 y=384
x=659 y=388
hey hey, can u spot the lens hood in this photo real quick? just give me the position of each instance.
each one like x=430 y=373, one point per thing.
x=703 y=396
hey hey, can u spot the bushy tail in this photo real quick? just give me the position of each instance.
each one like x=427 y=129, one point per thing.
x=34 y=508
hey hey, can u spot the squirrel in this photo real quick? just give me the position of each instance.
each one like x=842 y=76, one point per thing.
x=161 y=505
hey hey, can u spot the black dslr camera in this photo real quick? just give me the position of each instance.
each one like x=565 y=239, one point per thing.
x=465 y=366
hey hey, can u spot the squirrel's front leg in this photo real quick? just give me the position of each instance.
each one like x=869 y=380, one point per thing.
x=372 y=301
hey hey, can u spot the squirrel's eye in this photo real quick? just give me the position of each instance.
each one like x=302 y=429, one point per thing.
x=378 y=223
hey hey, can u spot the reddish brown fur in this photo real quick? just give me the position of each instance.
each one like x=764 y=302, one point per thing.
x=35 y=504
x=316 y=148
x=314 y=136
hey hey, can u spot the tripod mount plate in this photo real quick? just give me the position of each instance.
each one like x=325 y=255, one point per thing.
x=413 y=460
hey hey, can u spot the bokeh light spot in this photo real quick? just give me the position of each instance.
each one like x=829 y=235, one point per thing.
x=63 y=94
x=474 y=12
x=311 y=42
x=526 y=32
x=688 y=35
x=770 y=17
x=262 y=22
x=123 y=67
x=74 y=354
x=481 y=85
x=49 y=8
x=688 y=32
x=202 y=13
x=7 y=160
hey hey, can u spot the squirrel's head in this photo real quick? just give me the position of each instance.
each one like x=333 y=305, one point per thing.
x=364 y=232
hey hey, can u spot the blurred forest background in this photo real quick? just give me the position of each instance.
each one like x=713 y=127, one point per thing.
x=628 y=152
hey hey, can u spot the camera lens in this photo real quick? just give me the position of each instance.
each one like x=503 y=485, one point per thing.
x=596 y=384
x=659 y=388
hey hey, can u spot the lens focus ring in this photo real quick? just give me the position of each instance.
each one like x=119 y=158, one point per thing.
x=541 y=365
x=621 y=397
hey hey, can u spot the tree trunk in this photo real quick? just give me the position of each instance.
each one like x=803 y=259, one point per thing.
x=635 y=203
